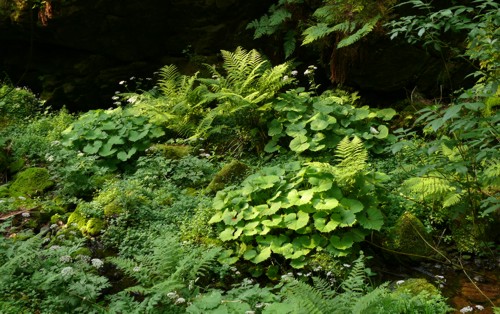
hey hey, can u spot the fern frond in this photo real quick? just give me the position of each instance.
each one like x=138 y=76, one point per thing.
x=367 y=301
x=351 y=157
x=432 y=187
x=316 y=32
x=169 y=81
x=362 y=32
x=307 y=299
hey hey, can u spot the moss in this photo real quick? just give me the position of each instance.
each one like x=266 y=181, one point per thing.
x=230 y=173
x=92 y=226
x=468 y=237
x=31 y=182
x=172 y=151
x=112 y=209
x=409 y=236
x=415 y=286
x=4 y=191
x=77 y=220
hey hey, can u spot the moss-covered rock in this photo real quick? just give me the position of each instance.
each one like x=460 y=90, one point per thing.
x=171 y=151
x=469 y=236
x=409 y=236
x=416 y=286
x=231 y=173
x=31 y=182
x=91 y=227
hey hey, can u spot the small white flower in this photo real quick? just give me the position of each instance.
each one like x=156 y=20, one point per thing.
x=97 y=263
x=346 y=265
x=80 y=154
x=65 y=259
x=136 y=269
x=172 y=295
x=122 y=82
x=84 y=258
x=306 y=72
x=466 y=309
x=285 y=77
x=328 y=274
x=25 y=215
x=132 y=78
x=55 y=143
x=67 y=271
x=55 y=247
x=115 y=97
x=373 y=130
x=439 y=277
x=399 y=282
x=480 y=307
x=132 y=100
x=180 y=301
x=294 y=72
x=50 y=158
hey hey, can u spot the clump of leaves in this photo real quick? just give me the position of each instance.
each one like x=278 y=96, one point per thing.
x=295 y=209
x=114 y=136
x=311 y=124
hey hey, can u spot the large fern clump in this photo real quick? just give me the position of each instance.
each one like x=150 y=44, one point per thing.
x=231 y=108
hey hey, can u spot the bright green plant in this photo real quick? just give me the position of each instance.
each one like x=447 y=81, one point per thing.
x=16 y=104
x=294 y=210
x=311 y=124
x=114 y=136
x=229 y=109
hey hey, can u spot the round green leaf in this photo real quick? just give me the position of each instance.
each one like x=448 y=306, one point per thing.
x=299 y=144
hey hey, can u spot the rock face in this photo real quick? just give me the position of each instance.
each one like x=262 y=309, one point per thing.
x=88 y=46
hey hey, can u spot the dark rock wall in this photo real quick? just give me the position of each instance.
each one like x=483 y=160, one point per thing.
x=80 y=55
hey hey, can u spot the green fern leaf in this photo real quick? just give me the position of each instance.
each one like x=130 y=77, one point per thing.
x=362 y=32
x=316 y=32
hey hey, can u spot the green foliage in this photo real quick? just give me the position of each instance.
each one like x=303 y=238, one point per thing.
x=16 y=104
x=112 y=135
x=312 y=124
x=354 y=296
x=350 y=20
x=229 y=110
x=294 y=209
x=47 y=279
x=36 y=138
x=166 y=277
x=454 y=173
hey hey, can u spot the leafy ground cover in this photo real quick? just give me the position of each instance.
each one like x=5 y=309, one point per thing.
x=244 y=192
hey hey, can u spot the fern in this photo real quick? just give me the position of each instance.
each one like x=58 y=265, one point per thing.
x=351 y=157
x=359 y=34
x=429 y=187
x=316 y=32
x=169 y=268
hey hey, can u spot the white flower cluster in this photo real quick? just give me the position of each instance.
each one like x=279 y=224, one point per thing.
x=65 y=259
x=97 y=263
x=67 y=271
